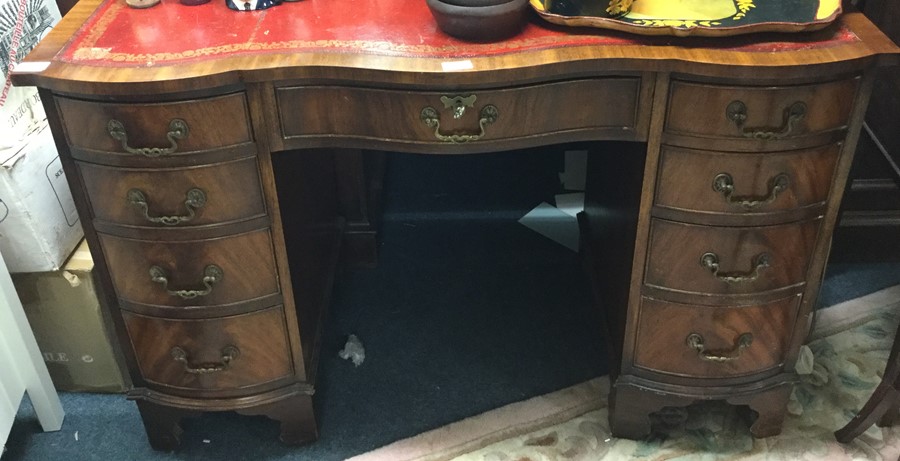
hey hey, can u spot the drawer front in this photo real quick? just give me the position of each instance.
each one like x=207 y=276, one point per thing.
x=728 y=260
x=192 y=273
x=713 y=342
x=176 y=197
x=137 y=129
x=398 y=115
x=212 y=354
x=742 y=183
x=759 y=112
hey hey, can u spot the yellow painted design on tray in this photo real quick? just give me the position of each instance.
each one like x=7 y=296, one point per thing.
x=744 y=6
x=676 y=23
x=683 y=10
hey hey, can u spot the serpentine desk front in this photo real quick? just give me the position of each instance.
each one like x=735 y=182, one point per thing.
x=706 y=247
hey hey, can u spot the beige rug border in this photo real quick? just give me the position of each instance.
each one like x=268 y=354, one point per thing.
x=845 y=315
x=519 y=418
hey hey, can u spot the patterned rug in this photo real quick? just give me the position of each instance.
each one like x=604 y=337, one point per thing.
x=845 y=360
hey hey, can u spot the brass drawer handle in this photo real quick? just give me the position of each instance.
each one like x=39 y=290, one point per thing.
x=229 y=353
x=695 y=341
x=194 y=199
x=711 y=262
x=737 y=113
x=430 y=117
x=178 y=129
x=212 y=275
x=724 y=184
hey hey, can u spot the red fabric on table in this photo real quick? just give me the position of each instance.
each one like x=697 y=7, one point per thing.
x=172 y=33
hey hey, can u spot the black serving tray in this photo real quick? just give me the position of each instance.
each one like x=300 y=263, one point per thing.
x=712 y=18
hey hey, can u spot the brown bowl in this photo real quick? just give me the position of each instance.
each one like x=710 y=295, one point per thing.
x=480 y=23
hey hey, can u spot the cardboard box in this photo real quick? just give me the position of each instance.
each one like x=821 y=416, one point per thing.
x=39 y=225
x=71 y=329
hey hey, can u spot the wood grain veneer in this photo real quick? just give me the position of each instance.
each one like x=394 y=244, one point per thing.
x=665 y=327
x=212 y=123
x=676 y=250
x=697 y=109
x=260 y=339
x=246 y=261
x=231 y=192
x=609 y=103
x=808 y=174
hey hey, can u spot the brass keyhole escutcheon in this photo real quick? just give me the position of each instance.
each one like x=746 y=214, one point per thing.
x=459 y=104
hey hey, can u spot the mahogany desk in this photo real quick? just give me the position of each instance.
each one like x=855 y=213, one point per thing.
x=707 y=245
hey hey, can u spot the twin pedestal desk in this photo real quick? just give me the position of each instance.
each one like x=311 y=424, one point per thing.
x=706 y=243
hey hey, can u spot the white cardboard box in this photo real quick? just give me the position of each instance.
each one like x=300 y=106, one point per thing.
x=39 y=226
x=38 y=223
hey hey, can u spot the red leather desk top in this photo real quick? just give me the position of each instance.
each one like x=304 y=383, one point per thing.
x=171 y=33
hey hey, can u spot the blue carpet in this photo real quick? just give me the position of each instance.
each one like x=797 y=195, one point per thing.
x=846 y=281
x=470 y=337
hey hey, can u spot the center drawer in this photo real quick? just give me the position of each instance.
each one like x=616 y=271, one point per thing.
x=192 y=273
x=431 y=117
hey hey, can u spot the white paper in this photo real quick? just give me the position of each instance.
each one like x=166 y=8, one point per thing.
x=547 y=220
x=353 y=350
x=570 y=204
x=574 y=170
